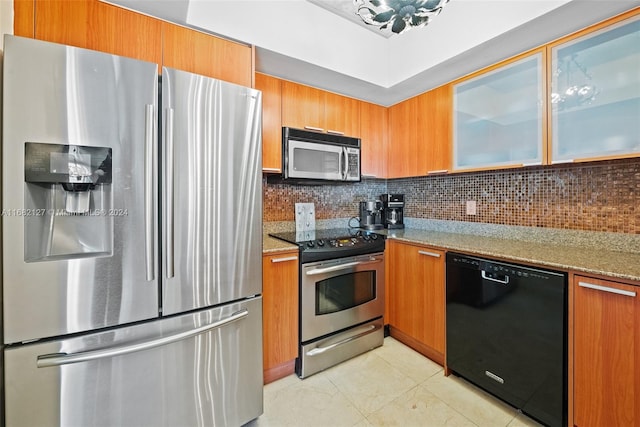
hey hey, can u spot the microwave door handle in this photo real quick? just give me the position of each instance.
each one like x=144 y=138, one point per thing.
x=345 y=164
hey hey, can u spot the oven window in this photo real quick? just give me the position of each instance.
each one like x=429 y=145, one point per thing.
x=346 y=291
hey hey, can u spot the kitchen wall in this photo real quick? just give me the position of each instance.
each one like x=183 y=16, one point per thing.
x=598 y=196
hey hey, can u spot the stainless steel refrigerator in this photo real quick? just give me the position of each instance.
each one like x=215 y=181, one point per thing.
x=131 y=242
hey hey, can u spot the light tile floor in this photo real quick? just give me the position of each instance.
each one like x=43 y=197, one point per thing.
x=389 y=386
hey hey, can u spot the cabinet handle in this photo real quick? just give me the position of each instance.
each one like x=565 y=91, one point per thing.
x=335 y=132
x=524 y=165
x=558 y=162
x=290 y=258
x=607 y=289
x=438 y=172
x=271 y=170
x=433 y=254
x=314 y=128
x=367 y=176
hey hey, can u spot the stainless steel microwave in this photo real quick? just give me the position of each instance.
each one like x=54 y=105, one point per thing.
x=308 y=155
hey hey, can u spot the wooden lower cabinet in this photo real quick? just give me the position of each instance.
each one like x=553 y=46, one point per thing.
x=606 y=361
x=416 y=292
x=280 y=314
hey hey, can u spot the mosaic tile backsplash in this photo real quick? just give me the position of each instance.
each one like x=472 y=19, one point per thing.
x=599 y=196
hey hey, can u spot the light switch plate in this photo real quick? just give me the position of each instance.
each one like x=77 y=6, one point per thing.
x=305 y=217
x=471 y=207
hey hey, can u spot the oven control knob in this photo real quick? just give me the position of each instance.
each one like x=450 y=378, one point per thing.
x=366 y=237
x=310 y=243
x=333 y=243
x=374 y=236
x=320 y=242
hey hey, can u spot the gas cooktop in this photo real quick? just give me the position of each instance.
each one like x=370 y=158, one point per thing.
x=318 y=245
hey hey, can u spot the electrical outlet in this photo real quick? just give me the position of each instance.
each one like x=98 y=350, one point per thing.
x=471 y=207
x=305 y=217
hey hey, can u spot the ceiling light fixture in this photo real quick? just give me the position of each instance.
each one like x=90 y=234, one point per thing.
x=399 y=14
x=571 y=94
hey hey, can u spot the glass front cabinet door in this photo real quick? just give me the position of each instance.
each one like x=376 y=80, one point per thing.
x=498 y=116
x=595 y=94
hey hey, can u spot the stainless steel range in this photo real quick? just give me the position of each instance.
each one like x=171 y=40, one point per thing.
x=341 y=295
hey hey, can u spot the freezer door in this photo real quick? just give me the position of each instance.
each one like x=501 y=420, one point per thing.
x=202 y=369
x=212 y=203
x=66 y=270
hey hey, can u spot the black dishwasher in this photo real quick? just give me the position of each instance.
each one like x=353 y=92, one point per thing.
x=507 y=333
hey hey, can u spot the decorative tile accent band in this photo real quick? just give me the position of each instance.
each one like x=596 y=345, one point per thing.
x=598 y=196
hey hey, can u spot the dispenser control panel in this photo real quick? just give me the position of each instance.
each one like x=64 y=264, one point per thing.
x=67 y=164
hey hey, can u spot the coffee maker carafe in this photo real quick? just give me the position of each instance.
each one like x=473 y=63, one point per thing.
x=371 y=215
x=393 y=205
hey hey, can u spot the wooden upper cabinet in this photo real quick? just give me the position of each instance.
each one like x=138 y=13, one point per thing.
x=374 y=130
x=271 y=122
x=403 y=140
x=594 y=99
x=302 y=106
x=434 y=131
x=306 y=107
x=92 y=24
x=23 y=22
x=342 y=114
x=201 y=53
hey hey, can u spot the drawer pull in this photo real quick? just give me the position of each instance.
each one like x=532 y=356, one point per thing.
x=314 y=128
x=270 y=170
x=607 y=289
x=433 y=254
x=289 y=258
x=438 y=172
x=335 y=132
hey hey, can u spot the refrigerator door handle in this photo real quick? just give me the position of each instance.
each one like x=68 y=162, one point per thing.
x=168 y=204
x=148 y=193
x=58 y=359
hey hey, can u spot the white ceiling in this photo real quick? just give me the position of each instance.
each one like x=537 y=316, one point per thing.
x=300 y=41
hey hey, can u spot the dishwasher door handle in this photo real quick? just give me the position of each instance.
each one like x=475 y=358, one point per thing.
x=504 y=282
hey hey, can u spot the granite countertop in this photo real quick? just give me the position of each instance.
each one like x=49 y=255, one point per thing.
x=588 y=260
x=271 y=245
x=613 y=255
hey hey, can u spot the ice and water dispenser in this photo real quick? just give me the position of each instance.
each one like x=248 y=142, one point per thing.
x=68 y=202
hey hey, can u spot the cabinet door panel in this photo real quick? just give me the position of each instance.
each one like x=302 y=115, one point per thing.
x=190 y=50
x=595 y=94
x=417 y=293
x=403 y=139
x=280 y=311
x=271 y=122
x=302 y=106
x=606 y=353
x=434 y=123
x=23 y=21
x=374 y=128
x=498 y=116
x=99 y=26
x=342 y=114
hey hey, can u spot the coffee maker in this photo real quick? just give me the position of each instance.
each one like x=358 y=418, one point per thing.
x=371 y=215
x=393 y=205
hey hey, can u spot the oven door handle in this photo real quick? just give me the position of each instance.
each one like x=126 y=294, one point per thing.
x=344 y=266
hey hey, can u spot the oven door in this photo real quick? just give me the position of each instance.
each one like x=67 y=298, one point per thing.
x=338 y=294
x=315 y=161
